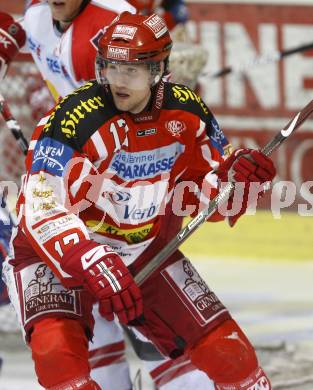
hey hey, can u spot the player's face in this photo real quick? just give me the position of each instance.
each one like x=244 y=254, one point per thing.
x=64 y=10
x=130 y=86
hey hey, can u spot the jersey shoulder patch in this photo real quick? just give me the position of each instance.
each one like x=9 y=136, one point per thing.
x=218 y=138
x=78 y=115
x=180 y=97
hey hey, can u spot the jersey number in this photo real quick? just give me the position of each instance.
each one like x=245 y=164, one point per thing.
x=120 y=124
x=71 y=238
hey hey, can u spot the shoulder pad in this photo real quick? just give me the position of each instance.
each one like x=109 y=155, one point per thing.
x=77 y=116
x=183 y=98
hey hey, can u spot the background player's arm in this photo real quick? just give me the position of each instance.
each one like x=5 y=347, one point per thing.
x=172 y=11
x=12 y=39
x=175 y=12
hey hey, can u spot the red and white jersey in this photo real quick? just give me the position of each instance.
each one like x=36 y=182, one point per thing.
x=67 y=60
x=96 y=172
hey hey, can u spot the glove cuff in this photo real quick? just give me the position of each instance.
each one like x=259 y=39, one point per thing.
x=71 y=260
x=81 y=256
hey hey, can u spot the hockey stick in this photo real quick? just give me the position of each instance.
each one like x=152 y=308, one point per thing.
x=12 y=124
x=223 y=195
x=261 y=60
x=16 y=130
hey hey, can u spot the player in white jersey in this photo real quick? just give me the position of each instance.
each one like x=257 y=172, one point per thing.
x=62 y=38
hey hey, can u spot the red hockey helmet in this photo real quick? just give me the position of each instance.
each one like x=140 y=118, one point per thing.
x=134 y=39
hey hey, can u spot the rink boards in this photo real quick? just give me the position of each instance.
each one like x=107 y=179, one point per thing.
x=260 y=236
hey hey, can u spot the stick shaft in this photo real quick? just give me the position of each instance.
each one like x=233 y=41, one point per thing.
x=261 y=60
x=13 y=125
x=223 y=195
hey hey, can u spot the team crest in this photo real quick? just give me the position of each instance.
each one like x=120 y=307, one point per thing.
x=175 y=127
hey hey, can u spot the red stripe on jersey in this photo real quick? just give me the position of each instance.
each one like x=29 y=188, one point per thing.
x=43 y=221
x=97 y=147
x=170 y=370
x=106 y=355
x=107 y=361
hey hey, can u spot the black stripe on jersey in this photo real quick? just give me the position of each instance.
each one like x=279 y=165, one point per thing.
x=79 y=115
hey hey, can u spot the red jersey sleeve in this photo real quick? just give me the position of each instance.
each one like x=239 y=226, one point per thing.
x=210 y=149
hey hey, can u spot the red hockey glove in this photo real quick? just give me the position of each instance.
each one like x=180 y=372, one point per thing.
x=246 y=166
x=105 y=275
x=12 y=38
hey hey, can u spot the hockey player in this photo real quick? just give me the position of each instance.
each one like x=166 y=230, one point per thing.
x=58 y=35
x=100 y=171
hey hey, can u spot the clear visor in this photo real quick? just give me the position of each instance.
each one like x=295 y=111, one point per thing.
x=130 y=75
